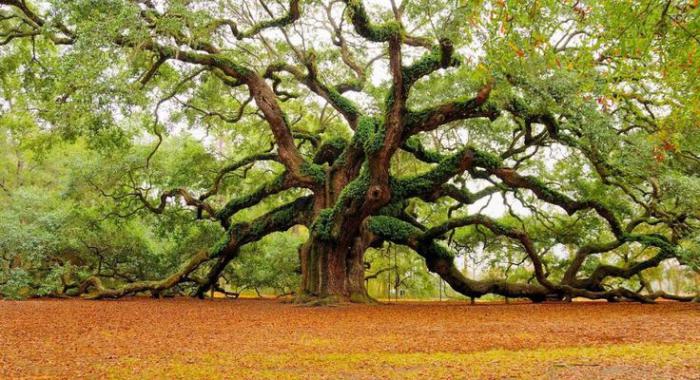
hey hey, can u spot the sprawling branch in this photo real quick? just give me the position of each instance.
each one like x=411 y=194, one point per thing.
x=280 y=183
x=431 y=118
x=440 y=57
x=92 y=288
x=430 y=182
x=439 y=260
x=289 y=18
x=233 y=167
x=311 y=80
x=189 y=199
x=364 y=26
x=279 y=219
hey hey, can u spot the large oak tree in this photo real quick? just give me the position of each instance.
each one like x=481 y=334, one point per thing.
x=390 y=121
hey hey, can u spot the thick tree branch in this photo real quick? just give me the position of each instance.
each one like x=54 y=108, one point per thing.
x=339 y=102
x=280 y=183
x=279 y=219
x=289 y=18
x=429 y=119
x=238 y=235
x=439 y=260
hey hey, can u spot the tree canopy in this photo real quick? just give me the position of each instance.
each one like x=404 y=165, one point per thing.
x=147 y=143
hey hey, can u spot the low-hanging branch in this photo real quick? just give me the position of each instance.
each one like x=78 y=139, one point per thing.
x=238 y=235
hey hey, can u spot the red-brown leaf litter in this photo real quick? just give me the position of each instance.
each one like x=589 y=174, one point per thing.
x=146 y=338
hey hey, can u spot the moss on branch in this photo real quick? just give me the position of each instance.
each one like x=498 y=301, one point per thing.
x=277 y=185
x=364 y=27
x=290 y=17
x=353 y=192
x=323 y=225
x=314 y=171
x=392 y=229
x=439 y=57
x=342 y=104
x=427 y=182
x=370 y=134
x=330 y=151
x=487 y=160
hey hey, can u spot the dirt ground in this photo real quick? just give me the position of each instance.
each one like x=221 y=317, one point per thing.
x=250 y=339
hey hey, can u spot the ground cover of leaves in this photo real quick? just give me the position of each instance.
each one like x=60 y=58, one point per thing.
x=251 y=339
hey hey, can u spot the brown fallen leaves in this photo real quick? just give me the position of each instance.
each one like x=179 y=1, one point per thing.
x=186 y=338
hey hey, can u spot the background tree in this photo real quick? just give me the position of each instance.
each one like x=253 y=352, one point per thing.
x=378 y=122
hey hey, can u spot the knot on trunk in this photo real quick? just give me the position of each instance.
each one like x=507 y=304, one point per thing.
x=377 y=193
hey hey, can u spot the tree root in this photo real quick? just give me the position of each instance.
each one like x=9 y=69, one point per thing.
x=306 y=299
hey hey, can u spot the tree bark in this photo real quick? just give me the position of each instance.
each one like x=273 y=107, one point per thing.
x=332 y=271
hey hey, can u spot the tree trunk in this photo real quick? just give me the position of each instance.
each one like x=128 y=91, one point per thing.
x=332 y=271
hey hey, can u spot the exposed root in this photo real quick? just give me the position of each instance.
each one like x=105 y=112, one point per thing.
x=306 y=299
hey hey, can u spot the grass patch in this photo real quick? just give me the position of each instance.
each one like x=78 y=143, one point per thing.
x=522 y=364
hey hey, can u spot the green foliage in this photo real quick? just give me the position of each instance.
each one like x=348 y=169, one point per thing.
x=271 y=264
x=244 y=201
x=338 y=143
x=16 y=284
x=396 y=272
